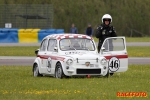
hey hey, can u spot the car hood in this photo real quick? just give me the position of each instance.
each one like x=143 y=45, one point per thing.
x=82 y=55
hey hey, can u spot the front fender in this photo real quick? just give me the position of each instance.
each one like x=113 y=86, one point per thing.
x=104 y=67
x=62 y=65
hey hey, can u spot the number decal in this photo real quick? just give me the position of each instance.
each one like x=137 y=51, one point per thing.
x=49 y=62
x=114 y=64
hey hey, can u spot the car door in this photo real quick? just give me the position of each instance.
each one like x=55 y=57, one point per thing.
x=114 y=50
x=51 y=54
x=42 y=54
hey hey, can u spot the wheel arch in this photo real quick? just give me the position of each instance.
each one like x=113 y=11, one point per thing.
x=59 y=62
x=37 y=60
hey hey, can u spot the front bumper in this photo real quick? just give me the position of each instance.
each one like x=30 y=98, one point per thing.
x=83 y=70
x=88 y=71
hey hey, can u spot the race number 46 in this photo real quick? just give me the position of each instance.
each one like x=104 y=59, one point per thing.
x=114 y=64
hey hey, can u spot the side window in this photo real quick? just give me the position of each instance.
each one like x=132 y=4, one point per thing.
x=51 y=44
x=43 y=45
x=114 y=44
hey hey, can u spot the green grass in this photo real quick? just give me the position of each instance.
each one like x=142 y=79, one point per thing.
x=132 y=39
x=137 y=39
x=29 y=51
x=134 y=51
x=18 y=50
x=17 y=83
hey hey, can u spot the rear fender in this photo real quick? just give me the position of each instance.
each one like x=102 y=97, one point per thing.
x=37 y=61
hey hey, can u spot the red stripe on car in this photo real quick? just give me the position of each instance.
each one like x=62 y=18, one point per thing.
x=52 y=57
x=117 y=56
x=67 y=36
x=76 y=36
x=84 y=37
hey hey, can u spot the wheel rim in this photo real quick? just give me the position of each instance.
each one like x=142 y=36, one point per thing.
x=36 y=70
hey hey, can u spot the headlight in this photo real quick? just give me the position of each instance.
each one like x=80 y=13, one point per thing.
x=69 y=61
x=103 y=61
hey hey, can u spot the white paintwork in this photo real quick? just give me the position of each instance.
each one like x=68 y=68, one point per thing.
x=121 y=55
x=79 y=57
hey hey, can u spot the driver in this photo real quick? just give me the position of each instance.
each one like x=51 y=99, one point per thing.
x=74 y=43
x=105 y=30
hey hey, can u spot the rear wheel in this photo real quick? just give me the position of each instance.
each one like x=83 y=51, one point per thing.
x=58 y=71
x=36 y=71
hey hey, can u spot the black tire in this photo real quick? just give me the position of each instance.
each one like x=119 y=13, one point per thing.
x=36 y=71
x=111 y=74
x=59 y=71
x=107 y=75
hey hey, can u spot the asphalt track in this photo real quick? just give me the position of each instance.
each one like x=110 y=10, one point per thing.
x=28 y=61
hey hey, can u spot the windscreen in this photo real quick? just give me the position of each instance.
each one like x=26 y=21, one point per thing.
x=76 y=44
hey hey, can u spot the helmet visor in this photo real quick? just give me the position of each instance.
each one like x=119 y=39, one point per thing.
x=107 y=20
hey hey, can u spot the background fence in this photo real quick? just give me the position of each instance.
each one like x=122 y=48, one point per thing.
x=26 y=23
x=26 y=15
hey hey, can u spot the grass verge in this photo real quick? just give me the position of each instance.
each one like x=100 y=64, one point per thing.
x=137 y=39
x=133 y=39
x=18 y=50
x=17 y=83
x=133 y=51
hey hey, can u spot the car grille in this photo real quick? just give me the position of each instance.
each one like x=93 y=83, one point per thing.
x=88 y=71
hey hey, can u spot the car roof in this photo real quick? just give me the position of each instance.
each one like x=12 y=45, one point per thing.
x=68 y=35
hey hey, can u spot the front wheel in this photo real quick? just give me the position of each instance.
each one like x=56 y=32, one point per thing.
x=36 y=71
x=111 y=74
x=107 y=75
x=58 y=71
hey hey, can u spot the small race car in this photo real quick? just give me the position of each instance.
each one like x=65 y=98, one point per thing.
x=65 y=55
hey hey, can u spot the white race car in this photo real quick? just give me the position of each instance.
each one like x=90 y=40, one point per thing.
x=63 y=55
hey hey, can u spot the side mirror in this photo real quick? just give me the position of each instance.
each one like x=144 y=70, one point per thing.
x=36 y=52
x=55 y=49
x=102 y=50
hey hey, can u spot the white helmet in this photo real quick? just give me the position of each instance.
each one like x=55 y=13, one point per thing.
x=106 y=16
